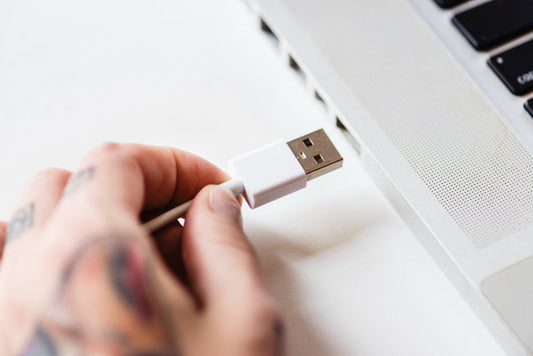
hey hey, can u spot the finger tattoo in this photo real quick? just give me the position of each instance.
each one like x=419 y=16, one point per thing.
x=78 y=179
x=41 y=344
x=128 y=279
x=21 y=221
x=118 y=273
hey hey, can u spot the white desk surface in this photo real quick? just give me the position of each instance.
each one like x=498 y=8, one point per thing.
x=349 y=275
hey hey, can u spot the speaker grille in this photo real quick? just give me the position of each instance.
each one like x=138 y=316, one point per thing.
x=480 y=173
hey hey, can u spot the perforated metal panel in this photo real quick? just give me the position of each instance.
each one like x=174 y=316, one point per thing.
x=479 y=172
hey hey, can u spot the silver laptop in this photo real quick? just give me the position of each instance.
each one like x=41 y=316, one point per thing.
x=437 y=97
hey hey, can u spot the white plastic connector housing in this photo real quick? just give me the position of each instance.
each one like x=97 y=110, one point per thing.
x=268 y=173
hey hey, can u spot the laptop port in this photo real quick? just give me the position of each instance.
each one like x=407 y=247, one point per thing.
x=268 y=31
x=296 y=67
x=319 y=97
x=355 y=143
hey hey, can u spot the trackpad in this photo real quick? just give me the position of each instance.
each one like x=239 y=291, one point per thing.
x=511 y=293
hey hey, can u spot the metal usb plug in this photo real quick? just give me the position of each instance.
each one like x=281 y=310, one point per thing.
x=316 y=154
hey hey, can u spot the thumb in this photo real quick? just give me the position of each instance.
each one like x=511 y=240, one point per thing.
x=222 y=266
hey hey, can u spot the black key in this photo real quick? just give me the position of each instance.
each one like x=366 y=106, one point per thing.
x=515 y=68
x=446 y=4
x=529 y=106
x=495 y=22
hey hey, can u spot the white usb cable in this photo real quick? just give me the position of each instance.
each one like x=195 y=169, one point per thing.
x=271 y=172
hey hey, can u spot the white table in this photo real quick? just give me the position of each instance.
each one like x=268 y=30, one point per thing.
x=349 y=275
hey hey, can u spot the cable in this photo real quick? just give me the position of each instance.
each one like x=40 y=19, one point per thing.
x=270 y=172
x=235 y=185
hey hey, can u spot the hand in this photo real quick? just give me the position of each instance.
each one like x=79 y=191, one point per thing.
x=79 y=274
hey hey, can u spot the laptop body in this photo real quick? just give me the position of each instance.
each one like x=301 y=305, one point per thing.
x=441 y=134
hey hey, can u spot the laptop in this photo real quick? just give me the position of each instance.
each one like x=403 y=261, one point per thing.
x=437 y=98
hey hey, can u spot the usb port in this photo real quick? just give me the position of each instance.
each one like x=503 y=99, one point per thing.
x=319 y=97
x=296 y=67
x=355 y=143
x=268 y=31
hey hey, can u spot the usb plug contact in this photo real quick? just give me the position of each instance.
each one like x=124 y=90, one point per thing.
x=316 y=154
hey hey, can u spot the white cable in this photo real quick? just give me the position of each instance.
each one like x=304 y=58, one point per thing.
x=235 y=185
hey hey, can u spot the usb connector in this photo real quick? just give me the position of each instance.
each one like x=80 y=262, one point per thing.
x=280 y=168
x=271 y=172
x=316 y=153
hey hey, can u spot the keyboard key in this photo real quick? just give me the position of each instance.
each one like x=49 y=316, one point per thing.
x=446 y=4
x=529 y=106
x=515 y=68
x=493 y=23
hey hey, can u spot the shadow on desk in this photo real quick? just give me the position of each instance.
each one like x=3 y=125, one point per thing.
x=297 y=255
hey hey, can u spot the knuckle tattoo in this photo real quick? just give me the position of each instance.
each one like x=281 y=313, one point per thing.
x=78 y=179
x=21 y=222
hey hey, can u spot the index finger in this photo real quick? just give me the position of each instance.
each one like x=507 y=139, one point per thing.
x=141 y=177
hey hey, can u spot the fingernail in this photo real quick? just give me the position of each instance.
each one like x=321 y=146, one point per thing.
x=224 y=203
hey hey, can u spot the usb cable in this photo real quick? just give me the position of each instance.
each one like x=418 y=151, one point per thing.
x=271 y=172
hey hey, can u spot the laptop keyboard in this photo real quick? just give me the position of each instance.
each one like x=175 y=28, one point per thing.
x=515 y=68
x=495 y=23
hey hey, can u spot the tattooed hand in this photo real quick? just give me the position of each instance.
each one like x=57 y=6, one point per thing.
x=80 y=276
